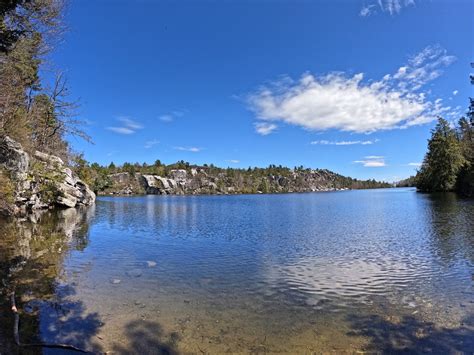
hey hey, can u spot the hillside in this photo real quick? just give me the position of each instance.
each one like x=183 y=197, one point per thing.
x=184 y=179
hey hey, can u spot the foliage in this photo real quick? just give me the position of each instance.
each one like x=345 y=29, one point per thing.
x=465 y=183
x=94 y=175
x=442 y=162
x=47 y=180
x=271 y=179
x=449 y=162
x=7 y=192
x=408 y=182
x=38 y=117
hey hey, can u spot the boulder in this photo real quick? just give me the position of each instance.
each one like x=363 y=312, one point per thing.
x=149 y=184
x=179 y=175
x=157 y=185
x=51 y=160
x=13 y=158
x=49 y=175
x=162 y=183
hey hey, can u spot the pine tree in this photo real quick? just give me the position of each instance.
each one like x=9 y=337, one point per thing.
x=465 y=184
x=443 y=161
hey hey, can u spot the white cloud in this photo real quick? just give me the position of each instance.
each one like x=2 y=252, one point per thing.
x=189 y=149
x=326 y=142
x=391 y=6
x=130 y=123
x=128 y=126
x=414 y=164
x=455 y=92
x=170 y=117
x=367 y=10
x=152 y=143
x=166 y=118
x=233 y=161
x=336 y=101
x=264 y=128
x=121 y=130
x=372 y=161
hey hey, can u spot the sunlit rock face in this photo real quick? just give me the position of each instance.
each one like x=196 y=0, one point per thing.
x=13 y=158
x=201 y=181
x=180 y=183
x=41 y=180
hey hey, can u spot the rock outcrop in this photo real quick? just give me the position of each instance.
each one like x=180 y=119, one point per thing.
x=179 y=182
x=13 y=158
x=199 y=180
x=42 y=180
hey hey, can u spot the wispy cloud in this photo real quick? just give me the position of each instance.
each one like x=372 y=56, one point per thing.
x=189 y=149
x=337 y=101
x=392 y=7
x=367 y=10
x=326 y=142
x=151 y=144
x=171 y=116
x=233 y=161
x=455 y=92
x=121 y=130
x=128 y=126
x=372 y=161
x=264 y=128
x=166 y=118
x=414 y=164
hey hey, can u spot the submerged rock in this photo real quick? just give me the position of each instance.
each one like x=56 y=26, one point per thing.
x=134 y=273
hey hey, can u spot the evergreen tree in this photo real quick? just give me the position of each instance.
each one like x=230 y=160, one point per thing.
x=443 y=161
x=465 y=185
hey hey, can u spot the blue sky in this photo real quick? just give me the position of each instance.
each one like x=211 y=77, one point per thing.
x=351 y=86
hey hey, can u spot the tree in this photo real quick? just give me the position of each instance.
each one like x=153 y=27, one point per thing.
x=465 y=183
x=442 y=162
x=36 y=116
x=264 y=186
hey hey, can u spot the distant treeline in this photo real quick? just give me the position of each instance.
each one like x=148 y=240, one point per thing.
x=408 y=182
x=99 y=177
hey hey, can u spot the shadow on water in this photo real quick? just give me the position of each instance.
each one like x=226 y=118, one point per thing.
x=410 y=335
x=452 y=225
x=31 y=265
x=147 y=337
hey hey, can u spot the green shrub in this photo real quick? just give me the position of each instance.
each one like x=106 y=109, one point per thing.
x=7 y=192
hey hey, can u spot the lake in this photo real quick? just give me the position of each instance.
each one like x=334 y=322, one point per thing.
x=375 y=270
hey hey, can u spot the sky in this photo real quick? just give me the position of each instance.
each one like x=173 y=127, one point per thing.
x=351 y=86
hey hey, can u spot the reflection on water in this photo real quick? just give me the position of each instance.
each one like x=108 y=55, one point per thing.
x=383 y=270
x=33 y=253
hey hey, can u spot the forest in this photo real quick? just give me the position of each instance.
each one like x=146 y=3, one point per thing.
x=449 y=162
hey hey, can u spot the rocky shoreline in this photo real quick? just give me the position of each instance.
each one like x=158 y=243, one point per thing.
x=39 y=181
x=198 y=182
